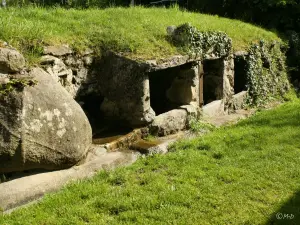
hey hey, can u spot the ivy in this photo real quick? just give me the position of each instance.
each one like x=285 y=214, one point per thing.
x=266 y=70
x=266 y=73
x=201 y=44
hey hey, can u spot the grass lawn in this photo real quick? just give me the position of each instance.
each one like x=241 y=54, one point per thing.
x=240 y=174
x=138 y=32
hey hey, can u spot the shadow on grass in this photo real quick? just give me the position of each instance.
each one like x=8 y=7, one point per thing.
x=288 y=213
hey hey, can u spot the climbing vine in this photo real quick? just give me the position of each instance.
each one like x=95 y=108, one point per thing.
x=266 y=72
x=201 y=44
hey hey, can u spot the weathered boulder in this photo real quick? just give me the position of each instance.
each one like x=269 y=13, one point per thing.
x=11 y=61
x=41 y=126
x=169 y=122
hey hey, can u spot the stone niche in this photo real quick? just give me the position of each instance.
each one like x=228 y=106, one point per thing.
x=240 y=80
x=213 y=80
x=217 y=85
x=173 y=87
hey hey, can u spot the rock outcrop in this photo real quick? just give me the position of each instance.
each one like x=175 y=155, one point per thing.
x=11 y=61
x=41 y=126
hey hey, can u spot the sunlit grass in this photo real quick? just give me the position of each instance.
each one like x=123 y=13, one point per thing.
x=139 y=32
x=242 y=174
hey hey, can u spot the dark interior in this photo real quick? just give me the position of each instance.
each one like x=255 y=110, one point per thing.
x=240 y=76
x=104 y=129
x=160 y=81
x=91 y=106
x=212 y=80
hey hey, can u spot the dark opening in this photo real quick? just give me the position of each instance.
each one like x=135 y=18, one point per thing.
x=212 y=80
x=240 y=76
x=104 y=129
x=160 y=81
x=91 y=106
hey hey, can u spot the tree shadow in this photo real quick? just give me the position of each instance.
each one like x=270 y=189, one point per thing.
x=288 y=213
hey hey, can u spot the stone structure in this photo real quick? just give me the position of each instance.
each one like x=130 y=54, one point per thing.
x=135 y=93
x=42 y=126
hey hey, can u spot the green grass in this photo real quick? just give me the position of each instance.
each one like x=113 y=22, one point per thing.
x=242 y=174
x=138 y=32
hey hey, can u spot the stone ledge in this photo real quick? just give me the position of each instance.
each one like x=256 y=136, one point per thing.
x=21 y=191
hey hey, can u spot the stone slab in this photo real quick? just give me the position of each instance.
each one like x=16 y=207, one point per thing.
x=239 y=99
x=214 y=108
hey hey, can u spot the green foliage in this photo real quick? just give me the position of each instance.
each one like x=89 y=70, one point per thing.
x=150 y=138
x=266 y=73
x=15 y=84
x=70 y=3
x=294 y=55
x=291 y=95
x=278 y=14
x=242 y=174
x=199 y=126
x=281 y=15
x=194 y=42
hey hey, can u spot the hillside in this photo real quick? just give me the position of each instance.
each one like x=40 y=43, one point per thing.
x=137 y=32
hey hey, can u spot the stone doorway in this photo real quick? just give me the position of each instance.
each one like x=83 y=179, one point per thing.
x=213 y=80
x=173 y=87
x=90 y=103
x=104 y=129
x=240 y=74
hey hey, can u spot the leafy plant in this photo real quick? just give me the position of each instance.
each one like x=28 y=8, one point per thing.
x=199 y=126
x=266 y=73
x=16 y=84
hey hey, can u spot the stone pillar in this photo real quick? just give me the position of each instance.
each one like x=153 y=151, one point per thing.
x=228 y=82
x=146 y=113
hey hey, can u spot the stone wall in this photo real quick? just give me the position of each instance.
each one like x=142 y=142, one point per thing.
x=124 y=85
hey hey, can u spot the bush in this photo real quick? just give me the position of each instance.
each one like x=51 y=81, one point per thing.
x=280 y=14
x=70 y=3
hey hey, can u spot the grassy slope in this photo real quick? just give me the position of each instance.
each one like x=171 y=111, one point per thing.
x=139 y=31
x=235 y=175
